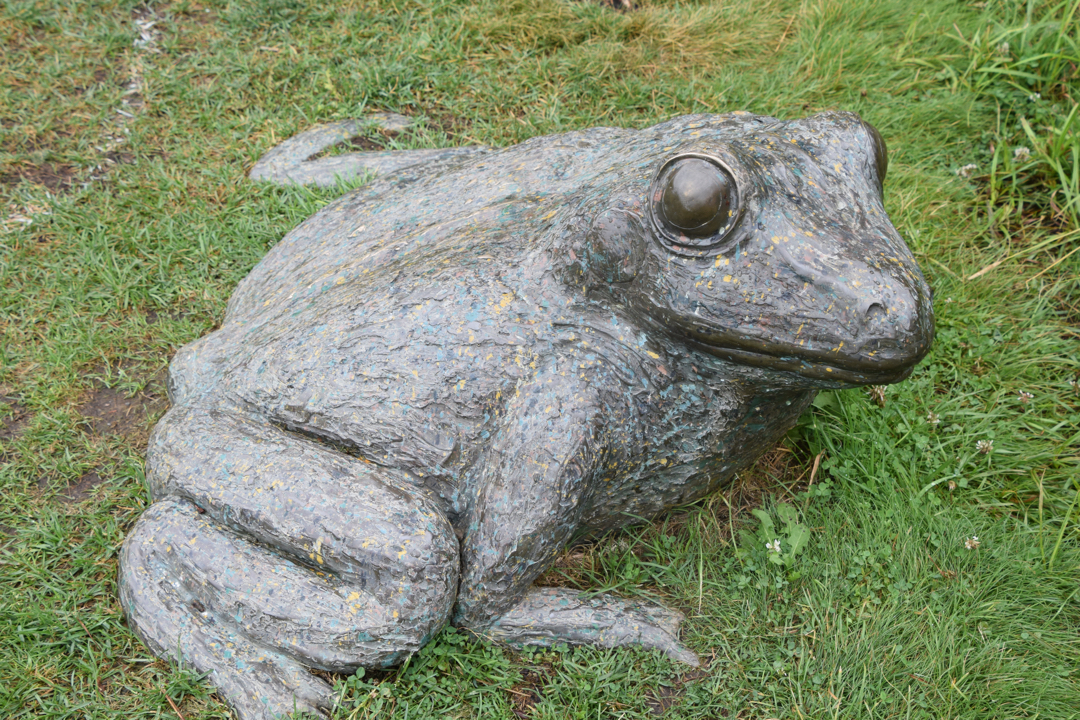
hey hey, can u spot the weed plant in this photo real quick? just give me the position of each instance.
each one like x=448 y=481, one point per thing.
x=927 y=564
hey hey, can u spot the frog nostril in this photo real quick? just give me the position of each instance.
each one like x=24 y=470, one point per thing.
x=875 y=312
x=875 y=318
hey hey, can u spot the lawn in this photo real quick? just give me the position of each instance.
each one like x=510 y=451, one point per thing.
x=941 y=577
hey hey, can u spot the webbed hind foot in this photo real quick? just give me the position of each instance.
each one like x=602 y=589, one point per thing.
x=289 y=162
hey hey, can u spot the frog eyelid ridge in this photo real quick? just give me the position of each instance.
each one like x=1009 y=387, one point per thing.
x=680 y=244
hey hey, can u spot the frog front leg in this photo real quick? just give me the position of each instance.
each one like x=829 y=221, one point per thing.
x=535 y=479
x=266 y=554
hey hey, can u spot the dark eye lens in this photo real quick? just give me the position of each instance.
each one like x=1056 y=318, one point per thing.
x=695 y=195
x=694 y=202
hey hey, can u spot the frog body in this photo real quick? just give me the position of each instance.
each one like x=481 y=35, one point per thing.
x=426 y=390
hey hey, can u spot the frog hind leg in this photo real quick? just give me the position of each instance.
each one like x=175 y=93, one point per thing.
x=266 y=554
x=168 y=606
x=290 y=163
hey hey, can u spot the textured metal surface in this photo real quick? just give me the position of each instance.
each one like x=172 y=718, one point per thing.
x=424 y=391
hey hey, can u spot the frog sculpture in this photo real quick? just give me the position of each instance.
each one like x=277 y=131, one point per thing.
x=428 y=389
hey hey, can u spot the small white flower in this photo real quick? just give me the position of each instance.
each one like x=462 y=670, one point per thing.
x=985 y=446
x=1034 y=97
x=972 y=542
x=948 y=301
x=1003 y=48
x=1025 y=397
x=952 y=485
x=774 y=546
x=933 y=418
x=1021 y=154
x=965 y=172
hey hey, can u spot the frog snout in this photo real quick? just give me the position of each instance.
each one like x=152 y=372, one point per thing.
x=893 y=323
x=876 y=311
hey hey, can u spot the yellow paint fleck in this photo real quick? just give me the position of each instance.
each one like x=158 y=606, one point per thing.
x=653 y=355
x=727 y=278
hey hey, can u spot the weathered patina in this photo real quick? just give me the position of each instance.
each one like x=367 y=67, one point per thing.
x=430 y=387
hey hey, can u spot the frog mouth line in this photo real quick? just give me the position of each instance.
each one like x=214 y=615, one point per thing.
x=814 y=366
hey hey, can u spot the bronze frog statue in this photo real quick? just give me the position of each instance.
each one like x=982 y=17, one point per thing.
x=428 y=389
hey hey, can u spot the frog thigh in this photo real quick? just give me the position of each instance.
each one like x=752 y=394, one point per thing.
x=274 y=549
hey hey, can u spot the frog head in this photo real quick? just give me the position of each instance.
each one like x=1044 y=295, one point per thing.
x=765 y=243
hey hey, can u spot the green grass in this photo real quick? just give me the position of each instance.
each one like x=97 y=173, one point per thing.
x=122 y=237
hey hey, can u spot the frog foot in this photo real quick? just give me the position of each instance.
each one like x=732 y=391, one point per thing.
x=290 y=163
x=547 y=616
x=267 y=555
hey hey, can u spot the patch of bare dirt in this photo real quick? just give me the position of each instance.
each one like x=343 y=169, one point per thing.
x=666 y=697
x=663 y=699
x=525 y=696
x=13 y=417
x=112 y=411
x=57 y=177
x=80 y=490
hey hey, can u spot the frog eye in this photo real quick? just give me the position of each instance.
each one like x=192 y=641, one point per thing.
x=694 y=201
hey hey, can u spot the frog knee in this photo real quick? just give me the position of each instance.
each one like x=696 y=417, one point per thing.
x=196 y=368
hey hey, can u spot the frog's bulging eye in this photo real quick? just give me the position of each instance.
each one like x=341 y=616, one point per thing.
x=694 y=196
x=694 y=201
